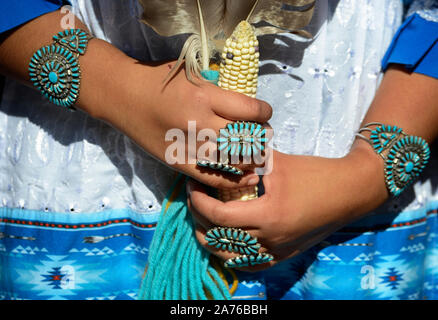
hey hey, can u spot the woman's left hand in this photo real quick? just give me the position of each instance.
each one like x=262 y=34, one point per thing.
x=306 y=199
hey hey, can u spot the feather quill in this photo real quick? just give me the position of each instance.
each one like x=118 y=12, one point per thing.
x=211 y=22
x=172 y=17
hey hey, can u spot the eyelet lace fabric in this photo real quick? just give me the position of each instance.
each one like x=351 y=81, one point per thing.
x=320 y=90
x=75 y=172
x=427 y=9
x=58 y=161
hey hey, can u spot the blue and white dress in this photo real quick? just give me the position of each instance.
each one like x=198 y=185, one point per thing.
x=80 y=201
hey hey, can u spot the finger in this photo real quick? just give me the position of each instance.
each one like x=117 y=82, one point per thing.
x=199 y=220
x=212 y=165
x=203 y=221
x=229 y=214
x=236 y=106
x=200 y=233
x=223 y=180
x=208 y=152
x=215 y=178
x=207 y=148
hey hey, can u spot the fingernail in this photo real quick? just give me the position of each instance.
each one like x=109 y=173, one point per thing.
x=189 y=188
x=253 y=180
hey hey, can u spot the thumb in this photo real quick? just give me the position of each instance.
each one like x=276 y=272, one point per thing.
x=236 y=106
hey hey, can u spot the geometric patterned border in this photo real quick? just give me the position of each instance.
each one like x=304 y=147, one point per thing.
x=386 y=226
x=76 y=226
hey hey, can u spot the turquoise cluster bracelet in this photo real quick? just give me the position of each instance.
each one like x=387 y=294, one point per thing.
x=405 y=156
x=54 y=69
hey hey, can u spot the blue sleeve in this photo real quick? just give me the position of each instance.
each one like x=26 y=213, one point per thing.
x=16 y=12
x=415 y=44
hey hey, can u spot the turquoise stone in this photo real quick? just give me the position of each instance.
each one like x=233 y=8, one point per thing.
x=53 y=77
x=230 y=239
x=406 y=160
x=211 y=75
x=409 y=167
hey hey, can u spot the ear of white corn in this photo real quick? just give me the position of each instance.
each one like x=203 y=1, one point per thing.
x=239 y=68
x=239 y=72
x=242 y=194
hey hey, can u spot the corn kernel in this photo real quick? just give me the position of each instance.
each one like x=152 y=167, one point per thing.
x=239 y=72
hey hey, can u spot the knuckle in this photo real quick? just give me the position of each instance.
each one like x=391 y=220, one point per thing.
x=212 y=182
x=225 y=183
x=218 y=216
x=220 y=185
x=268 y=112
x=254 y=108
x=200 y=97
x=259 y=110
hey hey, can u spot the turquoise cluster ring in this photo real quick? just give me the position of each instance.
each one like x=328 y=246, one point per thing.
x=242 y=138
x=54 y=69
x=405 y=156
x=236 y=240
x=248 y=260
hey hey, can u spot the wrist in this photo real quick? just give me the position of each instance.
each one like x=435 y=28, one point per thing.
x=111 y=83
x=366 y=178
x=127 y=92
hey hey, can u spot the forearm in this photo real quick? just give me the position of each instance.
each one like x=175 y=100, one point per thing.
x=106 y=72
x=133 y=98
x=409 y=101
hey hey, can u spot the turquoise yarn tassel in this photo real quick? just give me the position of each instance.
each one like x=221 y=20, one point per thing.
x=178 y=266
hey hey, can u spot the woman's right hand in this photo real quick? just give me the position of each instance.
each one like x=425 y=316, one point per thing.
x=133 y=98
x=157 y=107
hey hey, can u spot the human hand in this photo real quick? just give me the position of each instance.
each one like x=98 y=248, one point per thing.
x=133 y=98
x=163 y=107
x=306 y=199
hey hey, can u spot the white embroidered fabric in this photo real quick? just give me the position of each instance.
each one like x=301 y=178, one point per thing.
x=427 y=9
x=55 y=160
